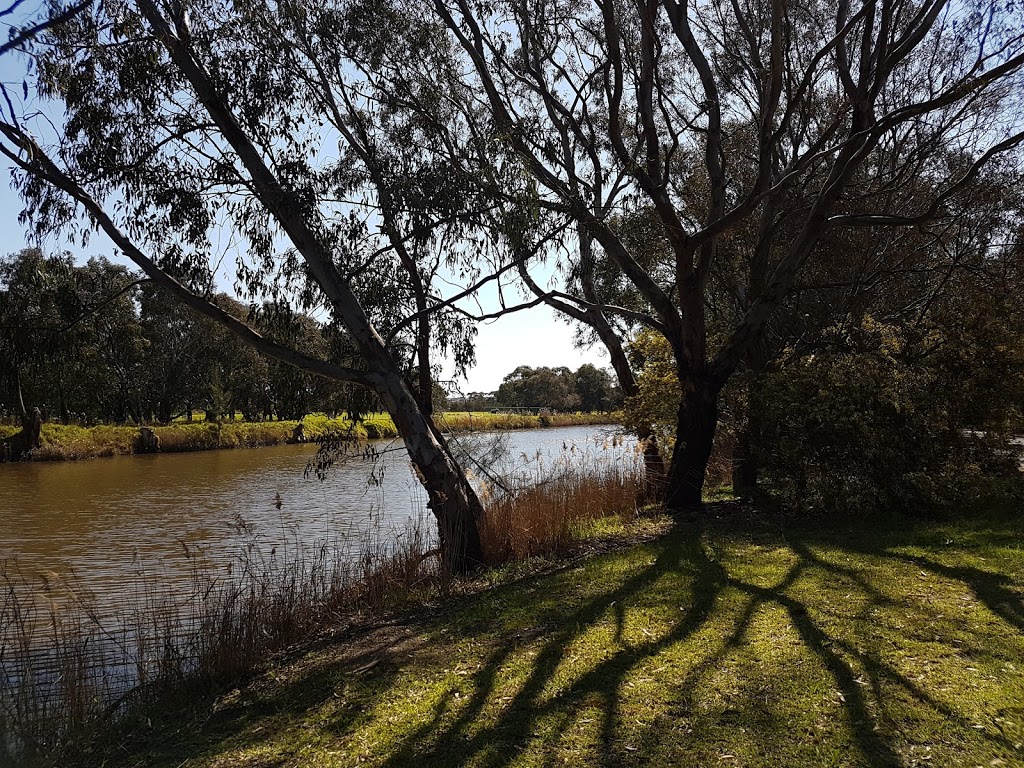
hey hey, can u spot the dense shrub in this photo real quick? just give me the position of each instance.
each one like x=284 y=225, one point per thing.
x=872 y=428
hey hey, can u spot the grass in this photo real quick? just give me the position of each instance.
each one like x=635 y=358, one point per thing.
x=728 y=642
x=70 y=667
x=66 y=442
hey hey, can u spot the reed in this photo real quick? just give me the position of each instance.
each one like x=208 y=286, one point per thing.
x=547 y=508
x=68 y=670
x=483 y=421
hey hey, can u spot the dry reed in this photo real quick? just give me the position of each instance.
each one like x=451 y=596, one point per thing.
x=545 y=509
x=67 y=670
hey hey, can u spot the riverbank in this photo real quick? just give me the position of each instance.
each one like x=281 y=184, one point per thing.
x=733 y=641
x=69 y=442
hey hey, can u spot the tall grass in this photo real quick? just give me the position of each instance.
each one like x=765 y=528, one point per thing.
x=62 y=442
x=67 y=669
x=546 y=508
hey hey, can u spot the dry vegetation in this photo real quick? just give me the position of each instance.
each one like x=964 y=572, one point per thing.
x=68 y=669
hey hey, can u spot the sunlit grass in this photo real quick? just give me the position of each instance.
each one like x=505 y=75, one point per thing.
x=739 y=644
x=70 y=441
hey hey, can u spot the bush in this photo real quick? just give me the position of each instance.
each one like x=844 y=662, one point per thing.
x=875 y=428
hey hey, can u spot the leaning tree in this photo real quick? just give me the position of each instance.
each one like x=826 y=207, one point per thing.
x=788 y=122
x=180 y=127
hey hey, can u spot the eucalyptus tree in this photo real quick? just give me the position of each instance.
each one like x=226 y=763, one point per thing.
x=184 y=125
x=34 y=290
x=608 y=109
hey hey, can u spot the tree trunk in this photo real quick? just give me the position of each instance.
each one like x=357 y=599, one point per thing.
x=654 y=464
x=21 y=394
x=695 y=435
x=452 y=499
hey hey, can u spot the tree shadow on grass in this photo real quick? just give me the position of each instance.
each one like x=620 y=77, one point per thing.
x=480 y=729
x=458 y=742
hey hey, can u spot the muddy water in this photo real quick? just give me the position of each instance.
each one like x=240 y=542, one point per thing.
x=108 y=519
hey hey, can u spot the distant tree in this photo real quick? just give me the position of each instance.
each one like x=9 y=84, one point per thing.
x=35 y=291
x=473 y=401
x=527 y=387
x=106 y=380
x=596 y=389
x=179 y=361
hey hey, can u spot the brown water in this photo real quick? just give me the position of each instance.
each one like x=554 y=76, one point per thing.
x=108 y=519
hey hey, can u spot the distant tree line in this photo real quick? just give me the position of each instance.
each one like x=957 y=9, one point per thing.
x=95 y=343
x=587 y=389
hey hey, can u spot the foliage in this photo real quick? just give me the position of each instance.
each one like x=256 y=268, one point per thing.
x=589 y=389
x=596 y=389
x=880 y=418
x=880 y=424
x=94 y=343
x=657 y=400
x=544 y=387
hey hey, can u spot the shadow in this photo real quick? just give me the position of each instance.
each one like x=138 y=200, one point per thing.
x=993 y=589
x=682 y=551
x=530 y=628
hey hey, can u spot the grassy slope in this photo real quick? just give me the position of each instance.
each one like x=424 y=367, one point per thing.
x=73 y=442
x=735 y=646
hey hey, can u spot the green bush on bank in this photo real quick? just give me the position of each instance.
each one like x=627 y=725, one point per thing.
x=877 y=428
x=881 y=420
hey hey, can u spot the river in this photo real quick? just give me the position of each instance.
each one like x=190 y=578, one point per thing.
x=107 y=520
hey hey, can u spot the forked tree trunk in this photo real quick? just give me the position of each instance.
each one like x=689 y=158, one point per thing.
x=695 y=434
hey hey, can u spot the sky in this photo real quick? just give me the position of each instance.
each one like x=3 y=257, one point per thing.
x=533 y=337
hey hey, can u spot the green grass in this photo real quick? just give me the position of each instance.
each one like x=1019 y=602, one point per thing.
x=734 y=644
x=61 y=442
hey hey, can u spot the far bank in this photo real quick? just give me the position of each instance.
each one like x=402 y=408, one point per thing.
x=64 y=442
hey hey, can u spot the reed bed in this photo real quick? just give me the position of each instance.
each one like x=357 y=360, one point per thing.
x=484 y=421
x=546 y=508
x=68 y=670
